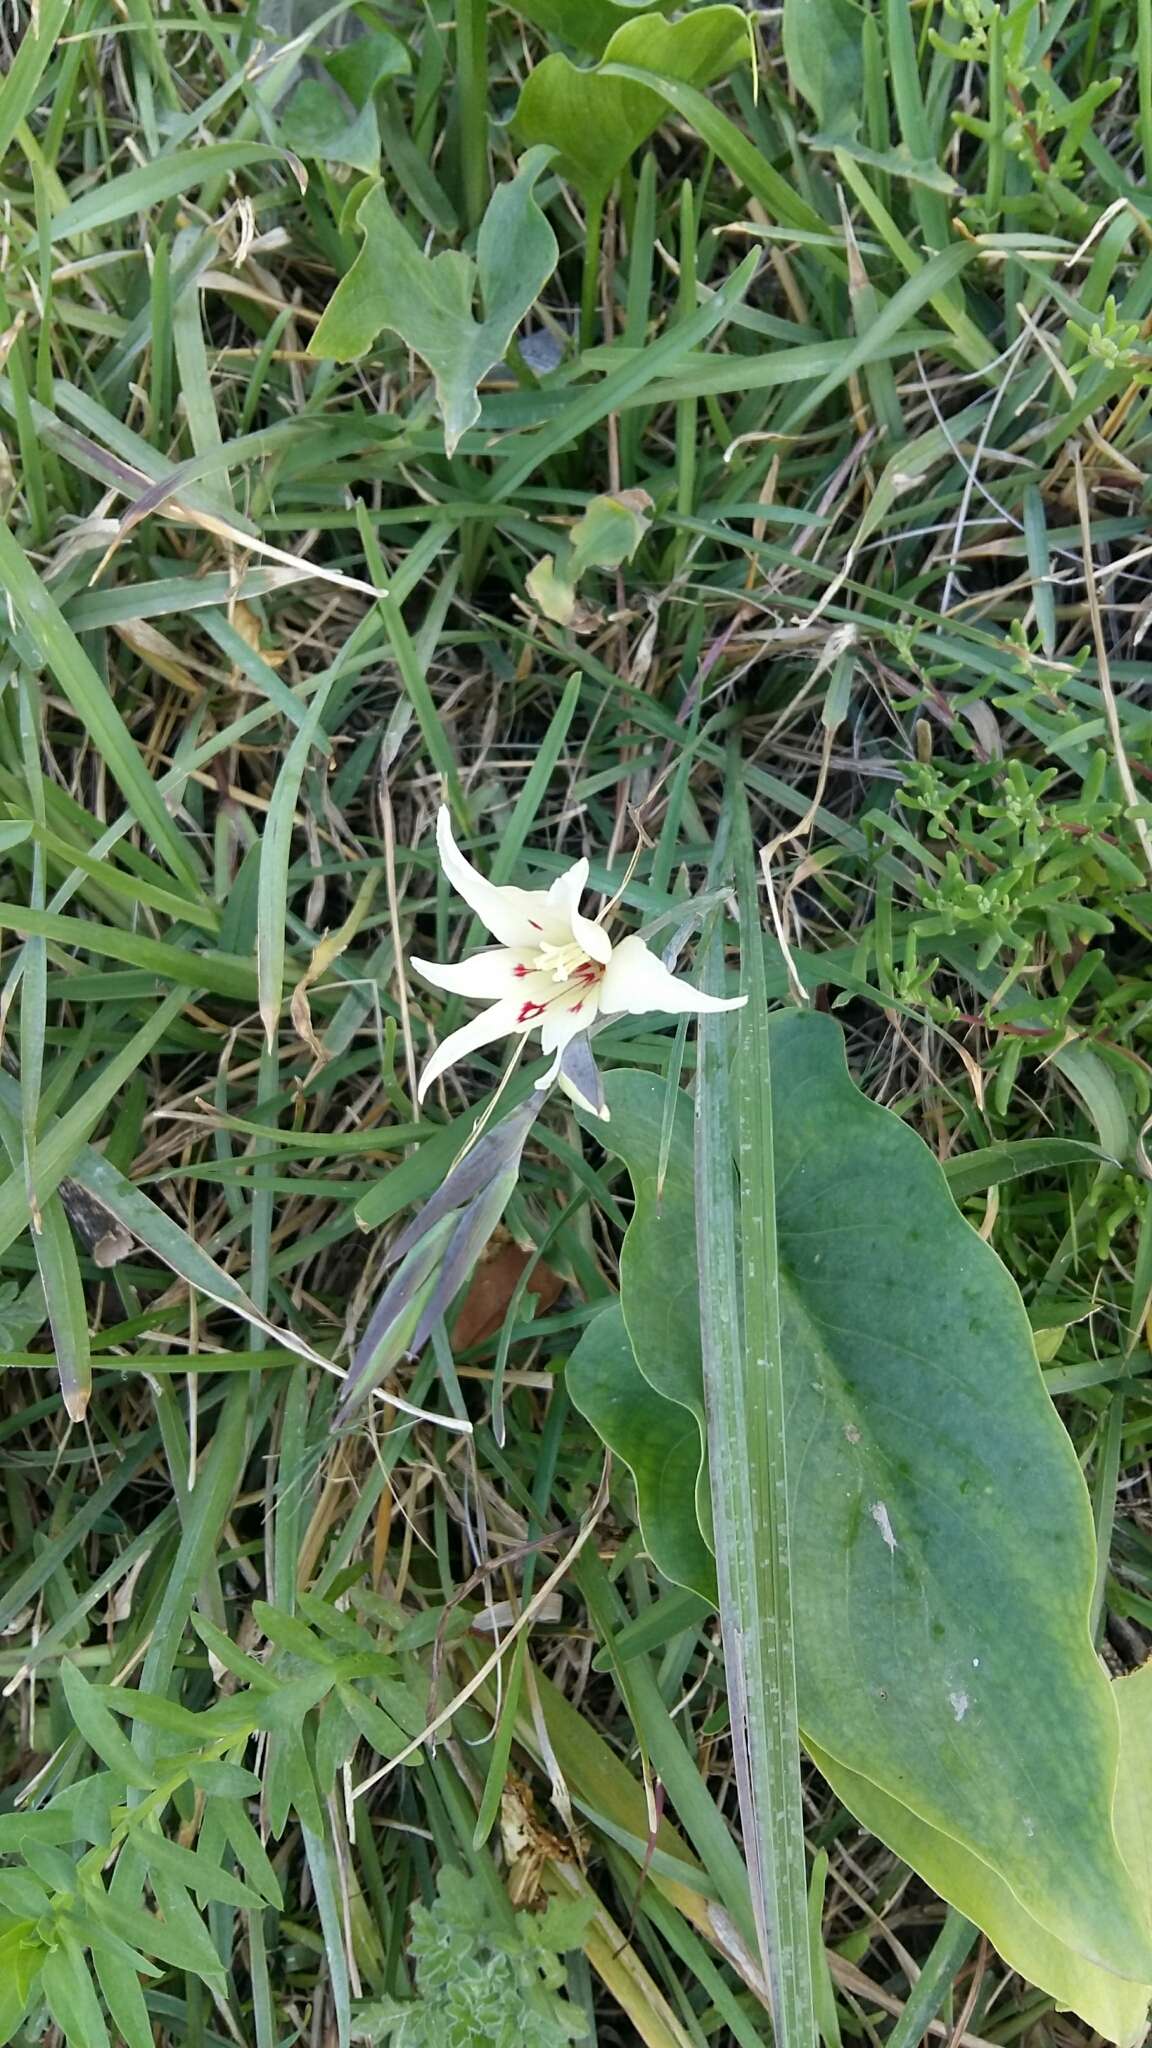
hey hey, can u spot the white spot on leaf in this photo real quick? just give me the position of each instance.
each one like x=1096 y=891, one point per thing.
x=959 y=1703
x=880 y=1516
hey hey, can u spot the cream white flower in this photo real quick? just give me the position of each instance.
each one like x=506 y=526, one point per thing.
x=552 y=969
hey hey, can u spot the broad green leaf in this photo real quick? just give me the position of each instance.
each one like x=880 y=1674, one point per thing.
x=197 y=1873
x=289 y=1783
x=334 y=1622
x=317 y=123
x=53 y=1825
x=378 y=1728
x=364 y=63
x=824 y=52
x=290 y=1634
x=183 y=1923
x=586 y=24
x=21 y=1954
x=71 y=1997
x=428 y=301
x=223 y=1781
x=100 y=1730
x=120 y=1983
x=251 y=1854
x=283 y=1710
x=944 y=1557
x=23 y=1894
x=1114 y=2006
x=608 y=533
x=159 y=1712
x=336 y=1738
x=233 y=1659
x=659 y=1293
x=180 y=1938
x=658 y=1441
x=594 y=121
x=91 y=1933
x=403 y=1703
x=51 y=1867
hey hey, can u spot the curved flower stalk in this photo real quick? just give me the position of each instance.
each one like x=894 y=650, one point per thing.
x=552 y=970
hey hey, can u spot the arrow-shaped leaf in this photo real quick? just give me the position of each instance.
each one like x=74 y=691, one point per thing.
x=596 y=120
x=427 y=300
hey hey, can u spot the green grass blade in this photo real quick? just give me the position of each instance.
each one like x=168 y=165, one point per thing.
x=89 y=698
x=622 y=384
x=740 y=1333
x=275 y=861
x=134 y=191
x=19 y=86
x=61 y=1142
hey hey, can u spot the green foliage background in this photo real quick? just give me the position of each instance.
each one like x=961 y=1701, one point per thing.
x=329 y=339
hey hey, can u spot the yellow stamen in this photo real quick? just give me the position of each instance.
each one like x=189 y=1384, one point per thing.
x=561 y=962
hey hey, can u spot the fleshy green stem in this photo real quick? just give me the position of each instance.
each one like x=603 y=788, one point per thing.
x=593 y=223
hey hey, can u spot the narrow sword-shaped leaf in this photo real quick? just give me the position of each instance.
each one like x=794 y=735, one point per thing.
x=745 y=1401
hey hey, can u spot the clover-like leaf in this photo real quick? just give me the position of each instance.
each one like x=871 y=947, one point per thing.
x=428 y=301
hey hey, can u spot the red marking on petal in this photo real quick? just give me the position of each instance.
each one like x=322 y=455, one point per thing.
x=576 y=1009
x=519 y=972
x=536 y=927
x=528 y=1010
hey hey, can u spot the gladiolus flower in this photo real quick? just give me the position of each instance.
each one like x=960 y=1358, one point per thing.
x=552 y=969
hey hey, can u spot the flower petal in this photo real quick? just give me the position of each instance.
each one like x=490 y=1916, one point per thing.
x=516 y=917
x=497 y=1022
x=579 y=1077
x=592 y=937
x=564 y=896
x=635 y=981
x=565 y=1016
x=484 y=976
